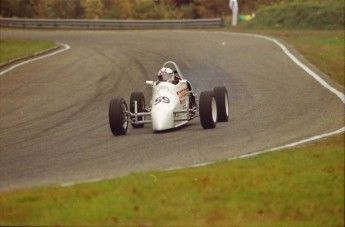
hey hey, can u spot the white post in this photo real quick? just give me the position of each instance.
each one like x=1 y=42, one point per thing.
x=234 y=7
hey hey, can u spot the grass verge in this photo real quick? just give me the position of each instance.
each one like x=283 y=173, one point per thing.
x=15 y=48
x=324 y=49
x=294 y=187
x=321 y=15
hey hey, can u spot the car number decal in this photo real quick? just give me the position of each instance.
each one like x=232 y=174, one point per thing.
x=162 y=99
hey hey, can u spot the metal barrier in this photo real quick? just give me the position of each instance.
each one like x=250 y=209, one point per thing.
x=110 y=24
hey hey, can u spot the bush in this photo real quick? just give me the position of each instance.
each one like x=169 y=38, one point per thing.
x=302 y=15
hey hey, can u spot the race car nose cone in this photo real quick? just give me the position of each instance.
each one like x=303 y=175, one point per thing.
x=162 y=118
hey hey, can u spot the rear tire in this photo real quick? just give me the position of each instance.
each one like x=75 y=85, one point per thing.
x=222 y=99
x=139 y=97
x=208 y=110
x=117 y=116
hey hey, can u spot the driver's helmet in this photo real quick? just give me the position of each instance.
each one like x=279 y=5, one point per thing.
x=166 y=74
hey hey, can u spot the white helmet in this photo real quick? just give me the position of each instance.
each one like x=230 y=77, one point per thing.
x=166 y=74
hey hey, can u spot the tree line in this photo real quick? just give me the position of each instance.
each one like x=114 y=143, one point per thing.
x=123 y=9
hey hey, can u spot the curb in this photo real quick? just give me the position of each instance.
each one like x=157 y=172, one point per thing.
x=34 y=55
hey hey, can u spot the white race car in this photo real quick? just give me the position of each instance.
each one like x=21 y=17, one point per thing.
x=173 y=104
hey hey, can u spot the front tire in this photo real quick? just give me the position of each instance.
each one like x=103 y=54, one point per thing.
x=222 y=99
x=117 y=116
x=208 y=110
x=139 y=97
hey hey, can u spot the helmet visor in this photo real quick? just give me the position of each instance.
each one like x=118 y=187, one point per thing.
x=167 y=76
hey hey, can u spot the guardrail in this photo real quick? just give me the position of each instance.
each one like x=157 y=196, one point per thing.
x=110 y=24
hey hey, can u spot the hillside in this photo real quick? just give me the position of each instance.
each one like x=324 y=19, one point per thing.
x=309 y=14
x=317 y=15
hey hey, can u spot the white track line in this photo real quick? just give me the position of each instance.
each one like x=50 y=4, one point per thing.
x=285 y=50
x=68 y=184
x=340 y=95
x=65 y=47
x=277 y=148
x=304 y=67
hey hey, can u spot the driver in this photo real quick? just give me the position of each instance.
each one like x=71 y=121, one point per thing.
x=168 y=75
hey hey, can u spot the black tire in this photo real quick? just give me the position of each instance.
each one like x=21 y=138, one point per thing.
x=139 y=97
x=117 y=116
x=222 y=99
x=208 y=110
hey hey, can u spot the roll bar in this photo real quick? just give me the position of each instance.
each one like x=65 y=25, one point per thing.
x=175 y=68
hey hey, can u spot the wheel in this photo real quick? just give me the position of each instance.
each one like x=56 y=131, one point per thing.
x=208 y=110
x=222 y=100
x=139 y=97
x=117 y=116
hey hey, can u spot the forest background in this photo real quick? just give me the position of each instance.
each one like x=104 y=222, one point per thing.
x=128 y=9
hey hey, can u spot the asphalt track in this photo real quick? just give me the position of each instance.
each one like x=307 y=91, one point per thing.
x=54 y=112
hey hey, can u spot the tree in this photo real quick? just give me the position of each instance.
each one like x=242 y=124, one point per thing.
x=93 y=9
x=9 y=8
x=24 y=8
x=66 y=9
x=210 y=9
x=118 y=9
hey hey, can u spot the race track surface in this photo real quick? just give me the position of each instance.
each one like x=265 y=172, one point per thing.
x=54 y=112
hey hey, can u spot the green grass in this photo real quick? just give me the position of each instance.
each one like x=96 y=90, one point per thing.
x=15 y=48
x=326 y=52
x=324 y=49
x=315 y=28
x=301 y=186
x=321 y=15
x=294 y=187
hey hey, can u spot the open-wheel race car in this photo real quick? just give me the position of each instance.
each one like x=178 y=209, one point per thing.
x=173 y=104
